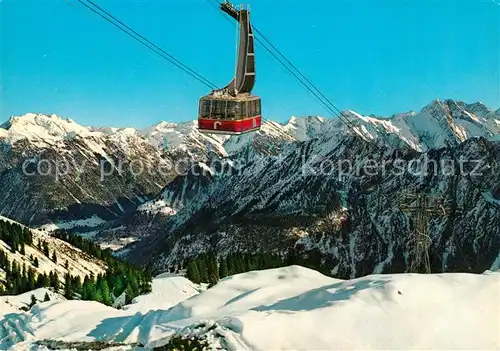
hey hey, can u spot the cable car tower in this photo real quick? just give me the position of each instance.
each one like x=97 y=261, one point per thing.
x=232 y=109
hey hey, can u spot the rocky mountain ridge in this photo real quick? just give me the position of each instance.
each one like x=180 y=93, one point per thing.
x=263 y=183
x=345 y=218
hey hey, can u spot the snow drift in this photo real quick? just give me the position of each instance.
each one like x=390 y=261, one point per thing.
x=284 y=309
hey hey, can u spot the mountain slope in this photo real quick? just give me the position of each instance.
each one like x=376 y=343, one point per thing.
x=16 y=303
x=74 y=267
x=460 y=122
x=65 y=171
x=79 y=263
x=439 y=124
x=316 y=202
x=147 y=160
x=69 y=172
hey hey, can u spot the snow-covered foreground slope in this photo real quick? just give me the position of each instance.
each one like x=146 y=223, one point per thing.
x=168 y=291
x=13 y=304
x=283 y=309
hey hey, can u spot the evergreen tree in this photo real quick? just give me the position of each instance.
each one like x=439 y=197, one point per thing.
x=134 y=284
x=45 y=249
x=192 y=272
x=33 y=301
x=28 y=236
x=88 y=289
x=54 y=281
x=76 y=283
x=238 y=263
x=119 y=287
x=129 y=295
x=35 y=263
x=43 y=281
x=106 y=296
x=223 y=269
x=202 y=269
x=3 y=258
x=68 y=288
x=54 y=256
x=46 y=298
x=213 y=268
x=146 y=286
x=31 y=279
x=230 y=265
x=213 y=278
x=98 y=296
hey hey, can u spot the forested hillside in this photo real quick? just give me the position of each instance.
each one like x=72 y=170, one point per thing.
x=68 y=264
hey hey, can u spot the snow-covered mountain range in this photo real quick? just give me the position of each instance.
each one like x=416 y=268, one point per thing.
x=350 y=220
x=195 y=206
x=437 y=122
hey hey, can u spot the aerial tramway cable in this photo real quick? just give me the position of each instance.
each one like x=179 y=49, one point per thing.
x=301 y=78
x=339 y=113
x=119 y=24
x=307 y=84
x=285 y=62
x=269 y=123
x=144 y=41
x=329 y=103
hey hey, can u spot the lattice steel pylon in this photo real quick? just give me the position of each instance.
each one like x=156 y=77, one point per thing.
x=418 y=207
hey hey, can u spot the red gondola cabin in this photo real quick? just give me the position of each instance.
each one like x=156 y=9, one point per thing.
x=238 y=115
x=233 y=110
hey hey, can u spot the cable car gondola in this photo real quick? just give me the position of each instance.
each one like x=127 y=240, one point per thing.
x=233 y=109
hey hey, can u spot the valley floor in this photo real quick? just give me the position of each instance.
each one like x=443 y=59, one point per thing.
x=291 y=308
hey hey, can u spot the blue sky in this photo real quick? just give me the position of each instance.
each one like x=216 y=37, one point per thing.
x=379 y=57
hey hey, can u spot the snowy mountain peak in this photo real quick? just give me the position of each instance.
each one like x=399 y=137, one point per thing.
x=42 y=120
x=127 y=131
x=438 y=121
x=308 y=127
x=434 y=105
x=105 y=130
x=163 y=125
x=166 y=134
x=40 y=126
x=311 y=119
x=404 y=114
x=479 y=109
x=455 y=106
